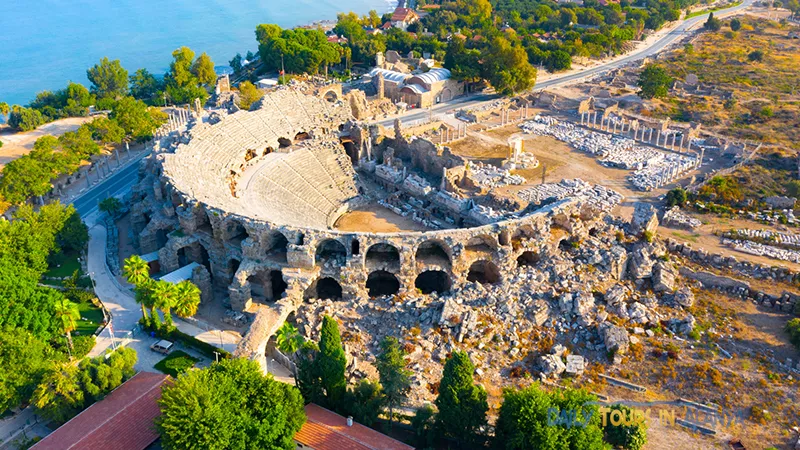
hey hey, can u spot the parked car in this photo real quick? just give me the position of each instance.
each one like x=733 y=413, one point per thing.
x=162 y=346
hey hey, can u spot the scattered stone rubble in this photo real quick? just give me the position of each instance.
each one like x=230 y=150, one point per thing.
x=603 y=197
x=500 y=324
x=653 y=168
x=754 y=248
x=493 y=176
x=676 y=219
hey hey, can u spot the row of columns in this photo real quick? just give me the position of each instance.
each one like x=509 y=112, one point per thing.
x=506 y=115
x=651 y=136
x=447 y=134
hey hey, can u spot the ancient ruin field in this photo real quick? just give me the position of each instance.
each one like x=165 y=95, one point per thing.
x=749 y=85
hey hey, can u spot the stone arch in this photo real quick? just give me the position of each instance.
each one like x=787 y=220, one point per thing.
x=355 y=247
x=565 y=244
x=331 y=97
x=325 y=288
x=194 y=252
x=484 y=272
x=433 y=281
x=284 y=143
x=382 y=282
x=231 y=268
x=447 y=95
x=433 y=253
x=383 y=256
x=267 y=151
x=481 y=243
x=504 y=237
x=331 y=250
x=267 y=285
x=301 y=136
x=528 y=258
x=276 y=246
x=236 y=232
x=523 y=232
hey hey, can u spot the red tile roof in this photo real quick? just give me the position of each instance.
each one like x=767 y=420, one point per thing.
x=121 y=421
x=403 y=14
x=326 y=430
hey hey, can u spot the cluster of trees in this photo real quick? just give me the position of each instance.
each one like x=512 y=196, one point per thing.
x=793 y=330
x=36 y=320
x=654 y=82
x=51 y=157
x=297 y=50
x=182 y=298
x=67 y=389
x=229 y=405
x=188 y=78
x=501 y=41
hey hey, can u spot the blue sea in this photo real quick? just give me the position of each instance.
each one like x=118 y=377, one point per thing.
x=46 y=43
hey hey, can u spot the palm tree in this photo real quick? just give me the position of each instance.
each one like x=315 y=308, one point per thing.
x=164 y=299
x=68 y=314
x=289 y=340
x=137 y=272
x=187 y=298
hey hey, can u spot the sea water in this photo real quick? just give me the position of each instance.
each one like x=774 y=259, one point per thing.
x=46 y=43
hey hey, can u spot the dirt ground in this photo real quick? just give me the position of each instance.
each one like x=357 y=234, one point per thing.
x=704 y=238
x=376 y=219
x=18 y=144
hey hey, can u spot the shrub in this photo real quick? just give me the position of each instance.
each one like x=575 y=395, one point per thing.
x=82 y=345
x=647 y=236
x=176 y=363
x=630 y=437
x=676 y=197
x=793 y=330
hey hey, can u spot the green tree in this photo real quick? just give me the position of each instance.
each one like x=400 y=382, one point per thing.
x=308 y=374
x=203 y=69
x=464 y=64
x=109 y=79
x=332 y=362
x=289 y=340
x=756 y=56
x=792 y=328
x=559 y=60
x=24 y=119
x=236 y=63
x=712 y=24
x=137 y=272
x=59 y=396
x=4 y=109
x=525 y=420
x=364 y=402
x=111 y=206
x=736 y=24
x=676 y=197
x=145 y=86
x=229 y=405
x=654 y=82
x=68 y=315
x=74 y=234
x=106 y=131
x=507 y=68
x=395 y=378
x=186 y=298
x=462 y=403
x=134 y=117
x=629 y=437
x=248 y=94
x=23 y=358
x=424 y=425
x=163 y=293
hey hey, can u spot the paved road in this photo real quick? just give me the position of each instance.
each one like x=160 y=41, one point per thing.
x=118 y=182
x=653 y=49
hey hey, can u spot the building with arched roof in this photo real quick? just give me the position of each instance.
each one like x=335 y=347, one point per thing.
x=417 y=90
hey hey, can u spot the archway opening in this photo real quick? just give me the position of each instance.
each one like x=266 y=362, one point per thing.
x=331 y=97
x=528 y=258
x=480 y=244
x=504 y=237
x=325 y=289
x=277 y=246
x=381 y=282
x=267 y=285
x=383 y=256
x=267 y=151
x=331 y=250
x=433 y=281
x=284 y=143
x=354 y=247
x=237 y=233
x=564 y=245
x=432 y=253
x=484 y=272
x=350 y=149
x=233 y=267
x=593 y=231
x=301 y=136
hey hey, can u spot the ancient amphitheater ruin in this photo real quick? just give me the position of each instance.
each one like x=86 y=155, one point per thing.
x=249 y=201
